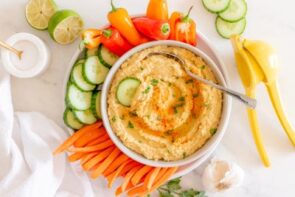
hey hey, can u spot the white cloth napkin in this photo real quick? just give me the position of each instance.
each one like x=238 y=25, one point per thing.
x=27 y=166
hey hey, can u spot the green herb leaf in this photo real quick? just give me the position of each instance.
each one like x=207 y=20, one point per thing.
x=147 y=90
x=203 y=67
x=165 y=194
x=130 y=125
x=174 y=185
x=133 y=113
x=195 y=95
x=213 y=131
x=184 y=155
x=114 y=118
x=189 y=193
x=154 y=82
x=181 y=98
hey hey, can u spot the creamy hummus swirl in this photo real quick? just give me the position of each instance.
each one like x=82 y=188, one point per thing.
x=171 y=115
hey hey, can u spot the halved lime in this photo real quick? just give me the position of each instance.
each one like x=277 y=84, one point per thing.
x=65 y=26
x=38 y=13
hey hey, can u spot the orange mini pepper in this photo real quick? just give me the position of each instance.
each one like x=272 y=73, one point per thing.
x=120 y=19
x=183 y=28
x=157 y=9
x=91 y=38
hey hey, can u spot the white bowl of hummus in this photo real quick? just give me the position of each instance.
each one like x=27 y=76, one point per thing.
x=155 y=113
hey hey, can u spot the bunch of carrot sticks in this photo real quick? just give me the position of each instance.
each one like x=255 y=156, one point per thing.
x=99 y=156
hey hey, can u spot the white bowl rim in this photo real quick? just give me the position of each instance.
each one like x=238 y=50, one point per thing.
x=212 y=142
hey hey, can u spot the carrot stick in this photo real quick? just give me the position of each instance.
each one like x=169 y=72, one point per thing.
x=87 y=157
x=128 y=167
x=161 y=180
x=151 y=177
x=120 y=191
x=75 y=137
x=75 y=156
x=88 y=137
x=117 y=162
x=137 y=191
x=112 y=177
x=97 y=147
x=101 y=168
x=128 y=177
x=140 y=173
x=98 y=158
x=103 y=138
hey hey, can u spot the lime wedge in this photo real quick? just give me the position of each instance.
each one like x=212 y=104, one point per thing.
x=38 y=13
x=65 y=26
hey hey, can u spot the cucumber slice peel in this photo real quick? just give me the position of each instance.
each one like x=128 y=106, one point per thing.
x=95 y=104
x=93 y=71
x=77 y=99
x=71 y=121
x=78 y=79
x=236 y=10
x=85 y=116
x=216 y=6
x=126 y=90
x=106 y=57
x=228 y=29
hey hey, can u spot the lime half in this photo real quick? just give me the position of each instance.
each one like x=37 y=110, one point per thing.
x=65 y=26
x=38 y=13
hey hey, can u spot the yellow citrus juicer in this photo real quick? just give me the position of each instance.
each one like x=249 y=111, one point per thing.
x=257 y=62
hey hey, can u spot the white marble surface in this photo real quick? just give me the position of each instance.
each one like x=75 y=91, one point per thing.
x=269 y=20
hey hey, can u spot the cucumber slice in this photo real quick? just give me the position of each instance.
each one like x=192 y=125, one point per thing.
x=227 y=29
x=95 y=104
x=85 y=116
x=93 y=71
x=236 y=10
x=106 y=57
x=71 y=121
x=216 y=6
x=77 y=99
x=126 y=90
x=78 y=79
x=91 y=52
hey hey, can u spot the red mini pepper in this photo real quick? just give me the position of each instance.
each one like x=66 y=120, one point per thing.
x=183 y=28
x=112 y=39
x=152 y=28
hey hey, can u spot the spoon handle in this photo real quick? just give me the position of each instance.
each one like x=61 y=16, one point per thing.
x=10 y=48
x=241 y=97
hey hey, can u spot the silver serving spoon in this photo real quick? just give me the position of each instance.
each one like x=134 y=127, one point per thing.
x=241 y=97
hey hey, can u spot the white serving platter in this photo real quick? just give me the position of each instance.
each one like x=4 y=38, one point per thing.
x=205 y=46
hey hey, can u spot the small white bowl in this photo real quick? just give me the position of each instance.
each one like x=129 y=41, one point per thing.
x=210 y=144
x=34 y=61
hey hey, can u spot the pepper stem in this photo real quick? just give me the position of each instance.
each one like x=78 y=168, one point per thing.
x=107 y=33
x=186 y=18
x=113 y=6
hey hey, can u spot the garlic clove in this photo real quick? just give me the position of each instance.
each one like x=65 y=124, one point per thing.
x=220 y=175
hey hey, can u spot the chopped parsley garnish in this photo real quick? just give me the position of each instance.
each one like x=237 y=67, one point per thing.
x=189 y=81
x=122 y=117
x=141 y=68
x=114 y=118
x=169 y=84
x=195 y=95
x=147 y=90
x=174 y=189
x=154 y=82
x=181 y=98
x=130 y=125
x=169 y=132
x=184 y=155
x=213 y=131
x=203 y=67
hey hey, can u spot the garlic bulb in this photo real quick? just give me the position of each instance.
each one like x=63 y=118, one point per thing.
x=221 y=175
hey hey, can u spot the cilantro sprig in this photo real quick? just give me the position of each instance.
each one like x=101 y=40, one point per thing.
x=174 y=189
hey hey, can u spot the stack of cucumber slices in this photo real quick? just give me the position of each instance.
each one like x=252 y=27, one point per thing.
x=230 y=18
x=82 y=96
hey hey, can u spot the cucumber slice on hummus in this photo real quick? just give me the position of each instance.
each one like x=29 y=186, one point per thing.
x=126 y=90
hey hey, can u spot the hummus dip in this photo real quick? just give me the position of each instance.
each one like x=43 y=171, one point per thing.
x=171 y=115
